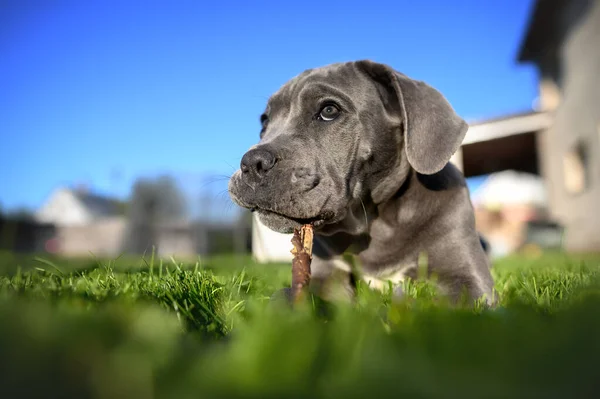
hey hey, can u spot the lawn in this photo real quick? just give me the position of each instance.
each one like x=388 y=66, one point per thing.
x=151 y=328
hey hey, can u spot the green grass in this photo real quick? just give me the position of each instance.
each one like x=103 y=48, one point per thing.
x=146 y=328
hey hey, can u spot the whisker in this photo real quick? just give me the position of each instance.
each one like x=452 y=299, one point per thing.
x=365 y=212
x=228 y=164
x=228 y=208
x=225 y=201
x=223 y=196
x=213 y=180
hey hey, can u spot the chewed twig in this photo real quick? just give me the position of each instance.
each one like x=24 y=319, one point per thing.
x=302 y=242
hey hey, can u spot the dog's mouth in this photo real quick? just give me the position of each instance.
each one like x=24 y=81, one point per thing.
x=283 y=217
x=317 y=221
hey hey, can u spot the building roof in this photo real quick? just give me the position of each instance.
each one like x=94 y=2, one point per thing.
x=99 y=206
x=500 y=118
x=542 y=29
x=507 y=125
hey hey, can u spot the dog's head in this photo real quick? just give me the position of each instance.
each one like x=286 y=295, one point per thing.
x=341 y=134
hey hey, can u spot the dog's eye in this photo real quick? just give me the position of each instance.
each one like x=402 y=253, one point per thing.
x=329 y=112
x=264 y=120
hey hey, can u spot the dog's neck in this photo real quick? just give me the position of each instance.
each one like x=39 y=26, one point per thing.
x=409 y=210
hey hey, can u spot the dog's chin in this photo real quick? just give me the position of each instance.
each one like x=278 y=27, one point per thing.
x=286 y=225
x=277 y=223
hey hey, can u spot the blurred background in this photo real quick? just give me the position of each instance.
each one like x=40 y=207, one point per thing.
x=121 y=122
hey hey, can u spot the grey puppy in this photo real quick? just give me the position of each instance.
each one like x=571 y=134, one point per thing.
x=362 y=152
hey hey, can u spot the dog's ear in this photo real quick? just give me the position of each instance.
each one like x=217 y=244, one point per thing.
x=433 y=130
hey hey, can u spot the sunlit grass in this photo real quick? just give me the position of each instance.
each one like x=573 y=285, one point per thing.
x=148 y=328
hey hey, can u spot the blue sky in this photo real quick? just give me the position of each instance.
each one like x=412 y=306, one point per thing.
x=103 y=91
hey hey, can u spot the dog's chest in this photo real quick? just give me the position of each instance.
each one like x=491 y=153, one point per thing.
x=388 y=246
x=389 y=256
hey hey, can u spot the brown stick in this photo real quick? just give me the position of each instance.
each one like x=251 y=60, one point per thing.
x=302 y=251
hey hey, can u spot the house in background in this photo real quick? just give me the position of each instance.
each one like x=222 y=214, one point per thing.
x=559 y=142
x=563 y=42
x=77 y=207
x=86 y=223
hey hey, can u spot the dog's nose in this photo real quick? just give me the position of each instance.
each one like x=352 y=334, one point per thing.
x=258 y=162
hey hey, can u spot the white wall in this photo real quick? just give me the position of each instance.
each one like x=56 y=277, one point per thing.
x=103 y=238
x=63 y=209
x=269 y=246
